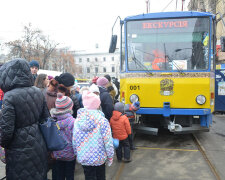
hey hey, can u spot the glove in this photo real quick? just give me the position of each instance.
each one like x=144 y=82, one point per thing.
x=109 y=161
x=137 y=104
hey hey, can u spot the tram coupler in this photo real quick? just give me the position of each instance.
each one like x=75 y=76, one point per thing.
x=172 y=127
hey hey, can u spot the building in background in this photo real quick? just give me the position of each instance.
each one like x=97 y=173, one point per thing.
x=97 y=63
x=216 y=7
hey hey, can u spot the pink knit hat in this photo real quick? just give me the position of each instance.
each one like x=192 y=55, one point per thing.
x=90 y=100
x=102 y=81
x=63 y=103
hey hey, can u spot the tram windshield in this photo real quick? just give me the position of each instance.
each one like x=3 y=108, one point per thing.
x=168 y=44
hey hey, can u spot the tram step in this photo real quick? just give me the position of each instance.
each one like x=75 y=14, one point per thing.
x=193 y=129
x=146 y=130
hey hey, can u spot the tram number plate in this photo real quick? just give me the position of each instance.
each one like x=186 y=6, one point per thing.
x=134 y=87
x=166 y=93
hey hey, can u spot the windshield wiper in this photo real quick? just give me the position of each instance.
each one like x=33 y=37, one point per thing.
x=175 y=64
x=139 y=63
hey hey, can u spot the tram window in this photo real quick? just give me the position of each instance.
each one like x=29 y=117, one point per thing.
x=213 y=48
x=185 y=48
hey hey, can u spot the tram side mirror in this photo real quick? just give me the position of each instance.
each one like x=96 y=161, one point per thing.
x=222 y=42
x=113 y=42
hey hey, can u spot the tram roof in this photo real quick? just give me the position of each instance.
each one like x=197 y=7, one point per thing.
x=176 y=14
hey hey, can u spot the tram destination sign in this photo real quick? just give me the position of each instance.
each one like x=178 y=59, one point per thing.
x=164 y=24
x=169 y=25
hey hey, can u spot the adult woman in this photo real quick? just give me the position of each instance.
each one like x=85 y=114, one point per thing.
x=24 y=107
x=41 y=81
x=66 y=81
x=51 y=94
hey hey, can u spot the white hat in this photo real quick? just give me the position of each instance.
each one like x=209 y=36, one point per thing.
x=84 y=89
x=94 y=88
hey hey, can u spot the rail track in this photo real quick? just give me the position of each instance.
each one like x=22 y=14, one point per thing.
x=199 y=147
x=207 y=159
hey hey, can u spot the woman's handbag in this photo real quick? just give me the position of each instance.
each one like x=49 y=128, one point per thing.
x=51 y=133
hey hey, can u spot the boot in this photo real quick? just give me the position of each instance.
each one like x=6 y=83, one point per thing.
x=127 y=160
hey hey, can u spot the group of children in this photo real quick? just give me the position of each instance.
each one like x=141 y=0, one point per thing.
x=90 y=135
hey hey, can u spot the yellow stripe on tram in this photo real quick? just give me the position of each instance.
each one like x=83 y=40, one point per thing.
x=167 y=149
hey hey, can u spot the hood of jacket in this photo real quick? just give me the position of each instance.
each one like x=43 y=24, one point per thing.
x=64 y=119
x=15 y=74
x=87 y=120
x=51 y=93
x=116 y=115
x=102 y=89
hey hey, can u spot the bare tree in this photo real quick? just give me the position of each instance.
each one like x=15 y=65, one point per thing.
x=47 y=48
x=33 y=45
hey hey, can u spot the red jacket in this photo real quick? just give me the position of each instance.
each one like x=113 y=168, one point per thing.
x=120 y=125
x=1 y=95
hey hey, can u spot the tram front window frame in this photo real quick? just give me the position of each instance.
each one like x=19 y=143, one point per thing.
x=178 y=44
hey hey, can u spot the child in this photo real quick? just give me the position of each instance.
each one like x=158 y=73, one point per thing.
x=64 y=165
x=92 y=138
x=121 y=129
x=129 y=111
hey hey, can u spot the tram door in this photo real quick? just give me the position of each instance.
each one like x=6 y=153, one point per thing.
x=220 y=90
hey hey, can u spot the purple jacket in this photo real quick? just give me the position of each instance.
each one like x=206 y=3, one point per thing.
x=65 y=121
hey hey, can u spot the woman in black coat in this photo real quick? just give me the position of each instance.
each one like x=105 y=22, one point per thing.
x=23 y=108
x=66 y=81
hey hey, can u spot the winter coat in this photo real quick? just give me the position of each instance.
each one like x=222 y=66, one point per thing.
x=24 y=107
x=120 y=125
x=76 y=105
x=117 y=84
x=92 y=138
x=79 y=98
x=130 y=109
x=106 y=102
x=50 y=97
x=111 y=90
x=65 y=121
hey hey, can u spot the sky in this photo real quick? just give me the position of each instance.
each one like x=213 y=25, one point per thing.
x=77 y=24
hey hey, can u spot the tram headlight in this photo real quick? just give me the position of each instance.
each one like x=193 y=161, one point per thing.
x=134 y=98
x=200 y=99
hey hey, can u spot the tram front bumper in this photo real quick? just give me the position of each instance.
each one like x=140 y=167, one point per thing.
x=204 y=114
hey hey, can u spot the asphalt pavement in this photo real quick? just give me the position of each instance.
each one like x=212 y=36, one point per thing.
x=214 y=144
x=169 y=157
